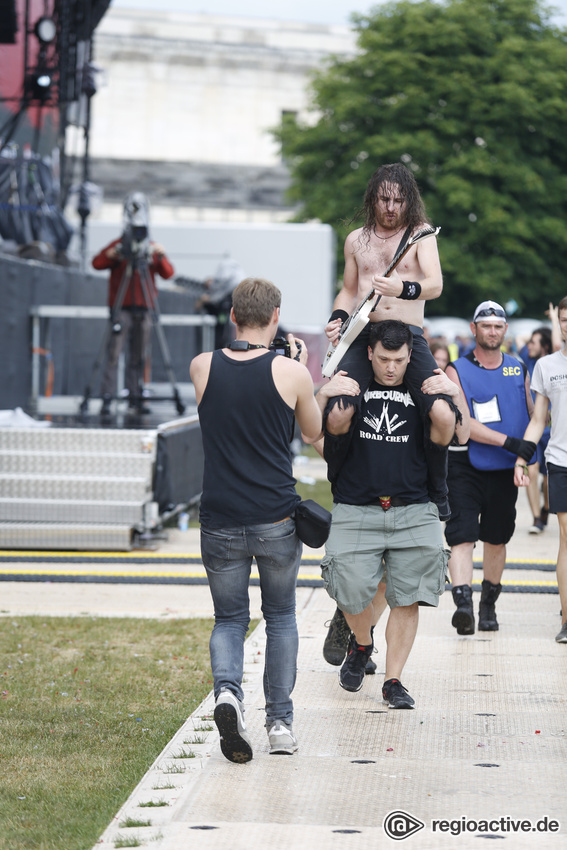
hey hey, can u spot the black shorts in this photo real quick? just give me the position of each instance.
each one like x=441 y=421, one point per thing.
x=483 y=504
x=557 y=483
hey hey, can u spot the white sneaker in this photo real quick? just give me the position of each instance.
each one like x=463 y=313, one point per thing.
x=282 y=740
x=229 y=717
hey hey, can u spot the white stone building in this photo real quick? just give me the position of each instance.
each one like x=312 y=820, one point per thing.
x=187 y=105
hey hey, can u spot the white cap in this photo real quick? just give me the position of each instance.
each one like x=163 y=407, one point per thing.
x=489 y=311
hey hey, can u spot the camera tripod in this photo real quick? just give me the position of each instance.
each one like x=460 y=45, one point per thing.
x=140 y=264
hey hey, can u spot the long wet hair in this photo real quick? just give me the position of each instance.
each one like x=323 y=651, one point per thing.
x=414 y=212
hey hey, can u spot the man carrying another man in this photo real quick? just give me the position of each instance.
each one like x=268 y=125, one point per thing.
x=393 y=210
x=383 y=516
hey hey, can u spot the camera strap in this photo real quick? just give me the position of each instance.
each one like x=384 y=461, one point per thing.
x=243 y=345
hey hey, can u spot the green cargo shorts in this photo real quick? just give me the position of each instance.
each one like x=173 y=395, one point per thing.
x=405 y=542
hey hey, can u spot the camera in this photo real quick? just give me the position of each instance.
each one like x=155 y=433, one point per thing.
x=135 y=243
x=281 y=346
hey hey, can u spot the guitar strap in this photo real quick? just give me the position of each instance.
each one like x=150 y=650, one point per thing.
x=399 y=249
x=404 y=239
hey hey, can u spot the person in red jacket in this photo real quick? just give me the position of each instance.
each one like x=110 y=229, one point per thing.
x=133 y=260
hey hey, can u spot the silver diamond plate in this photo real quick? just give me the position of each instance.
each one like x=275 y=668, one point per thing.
x=14 y=535
x=74 y=487
x=78 y=440
x=76 y=463
x=67 y=510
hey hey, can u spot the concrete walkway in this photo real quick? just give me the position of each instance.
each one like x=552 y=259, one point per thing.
x=486 y=742
x=484 y=752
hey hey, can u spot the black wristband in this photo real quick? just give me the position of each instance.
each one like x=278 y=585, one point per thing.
x=339 y=314
x=411 y=290
x=522 y=448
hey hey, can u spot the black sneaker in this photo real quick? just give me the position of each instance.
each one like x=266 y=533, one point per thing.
x=336 y=642
x=395 y=695
x=351 y=675
x=370 y=668
x=537 y=526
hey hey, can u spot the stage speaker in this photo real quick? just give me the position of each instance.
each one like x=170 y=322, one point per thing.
x=8 y=22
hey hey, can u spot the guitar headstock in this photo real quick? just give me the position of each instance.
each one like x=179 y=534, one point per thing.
x=423 y=233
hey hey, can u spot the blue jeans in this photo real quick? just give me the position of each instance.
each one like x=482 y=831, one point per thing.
x=227 y=556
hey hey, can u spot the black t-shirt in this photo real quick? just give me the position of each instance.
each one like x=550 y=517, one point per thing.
x=383 y=454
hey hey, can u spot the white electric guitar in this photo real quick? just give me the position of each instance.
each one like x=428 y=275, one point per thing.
x=358 y=320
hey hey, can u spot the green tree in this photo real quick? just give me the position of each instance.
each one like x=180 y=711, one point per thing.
x=472 y=96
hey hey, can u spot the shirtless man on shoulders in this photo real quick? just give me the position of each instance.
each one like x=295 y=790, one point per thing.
x=371 y=248
x=392 y=203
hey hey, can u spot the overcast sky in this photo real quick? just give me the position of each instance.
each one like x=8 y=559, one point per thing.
x=309 y=11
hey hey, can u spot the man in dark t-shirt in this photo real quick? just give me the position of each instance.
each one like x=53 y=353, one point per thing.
x=383 y=519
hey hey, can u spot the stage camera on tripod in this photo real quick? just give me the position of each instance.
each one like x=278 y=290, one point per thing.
x=135 y=243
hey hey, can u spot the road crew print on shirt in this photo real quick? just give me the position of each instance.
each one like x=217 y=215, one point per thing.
x=387 y=425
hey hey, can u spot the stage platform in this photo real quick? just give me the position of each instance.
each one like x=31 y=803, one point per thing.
x=78 y=481
x=64 y=411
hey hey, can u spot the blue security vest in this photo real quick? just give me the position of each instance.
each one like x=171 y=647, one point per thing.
x=497 y=398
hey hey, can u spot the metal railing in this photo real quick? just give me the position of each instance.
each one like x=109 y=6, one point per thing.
x=45 y=312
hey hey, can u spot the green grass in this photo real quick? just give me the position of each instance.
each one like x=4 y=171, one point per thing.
x=309 y=451
x=129 y=823
x=174 y=768
x=184 y=754
x=320 y=492
x=121 y=841
x=196 y=739
x=86 y=707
